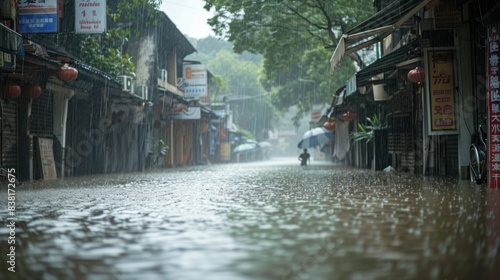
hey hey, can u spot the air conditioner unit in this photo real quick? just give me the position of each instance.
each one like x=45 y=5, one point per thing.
x=164 y=75
x=126 y=82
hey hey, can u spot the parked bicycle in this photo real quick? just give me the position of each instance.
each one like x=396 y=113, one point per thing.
x=478 y=154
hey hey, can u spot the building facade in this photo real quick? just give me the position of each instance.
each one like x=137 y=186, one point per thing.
x=429 y=85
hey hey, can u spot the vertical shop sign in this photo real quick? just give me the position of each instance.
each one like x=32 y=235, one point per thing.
x=493 y=100
x=90 y=16
x=442 y=105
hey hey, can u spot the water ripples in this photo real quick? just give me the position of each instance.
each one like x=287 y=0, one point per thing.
x=256 y=221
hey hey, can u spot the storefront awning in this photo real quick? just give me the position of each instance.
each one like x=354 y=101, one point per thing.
x=210 y=113
x=376 y=28
x=385 y=64
x=168 y=97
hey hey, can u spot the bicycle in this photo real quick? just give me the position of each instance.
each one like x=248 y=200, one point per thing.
x=478 y=153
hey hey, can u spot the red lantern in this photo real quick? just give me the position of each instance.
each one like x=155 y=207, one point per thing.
x=33 y=91
x=416 y=75
x=66 y=73
x=10 y=90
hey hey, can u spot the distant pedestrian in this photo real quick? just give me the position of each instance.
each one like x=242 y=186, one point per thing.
x=304 y=157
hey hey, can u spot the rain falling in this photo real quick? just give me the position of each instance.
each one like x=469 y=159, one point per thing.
x=318 y=139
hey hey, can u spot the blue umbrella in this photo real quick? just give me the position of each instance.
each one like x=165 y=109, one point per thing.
x=315 y=137
x=265 y=144
x=245 y=148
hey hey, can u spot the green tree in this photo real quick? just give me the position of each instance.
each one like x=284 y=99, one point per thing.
x=249 y=101
x=106 y=51
x=296 y=40
x=218 y=87
x=240 y=75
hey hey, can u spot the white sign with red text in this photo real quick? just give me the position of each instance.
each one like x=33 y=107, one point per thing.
x=90 y=16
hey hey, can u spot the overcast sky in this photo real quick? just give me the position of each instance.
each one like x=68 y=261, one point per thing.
x=189 y=16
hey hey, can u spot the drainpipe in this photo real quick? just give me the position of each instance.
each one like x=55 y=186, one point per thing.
x=31 y=144
x=64 y=117
x=171 y=150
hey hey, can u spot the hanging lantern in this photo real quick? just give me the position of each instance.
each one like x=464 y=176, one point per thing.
x=66 y=73
x=416 y=75
x=10 y=90
x=32 y=91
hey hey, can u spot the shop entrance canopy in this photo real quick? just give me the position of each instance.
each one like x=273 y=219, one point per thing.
x=376 y=28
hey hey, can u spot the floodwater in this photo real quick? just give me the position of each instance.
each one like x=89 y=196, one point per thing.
x=258 y=220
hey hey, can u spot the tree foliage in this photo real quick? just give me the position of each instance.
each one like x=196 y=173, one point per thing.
x=235 y=79
x=218 y=87
x=249 y=101
x=106 y=51
x=136 y=14
x=296 y=40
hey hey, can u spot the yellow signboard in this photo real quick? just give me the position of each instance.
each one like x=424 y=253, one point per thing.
x=225 y=151
x=442 y=106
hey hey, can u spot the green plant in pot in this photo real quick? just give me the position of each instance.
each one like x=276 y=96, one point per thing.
x=366 y=131
x=160 y=151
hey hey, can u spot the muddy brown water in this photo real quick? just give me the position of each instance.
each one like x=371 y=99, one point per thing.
x=258 y=220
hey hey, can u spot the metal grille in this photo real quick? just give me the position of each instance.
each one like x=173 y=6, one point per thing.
x=41 y=115
x=451 y=155
x=9 y=134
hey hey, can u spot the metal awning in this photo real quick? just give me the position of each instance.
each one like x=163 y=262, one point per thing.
x=209 y=112
x=376 y=28
x=385 y=64
x=168 y=96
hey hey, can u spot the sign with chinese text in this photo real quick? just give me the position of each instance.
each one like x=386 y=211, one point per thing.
x=37 y=16
x=442 y=107
x=90 y=16
x=195 y=80
x=493 y=103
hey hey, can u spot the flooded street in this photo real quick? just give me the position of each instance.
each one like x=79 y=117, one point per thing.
x=259 y=220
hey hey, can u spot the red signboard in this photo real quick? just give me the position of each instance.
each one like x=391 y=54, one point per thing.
x=492 y=90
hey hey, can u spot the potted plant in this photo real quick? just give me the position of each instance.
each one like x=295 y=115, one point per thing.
x=375 y=136
x=159 y=153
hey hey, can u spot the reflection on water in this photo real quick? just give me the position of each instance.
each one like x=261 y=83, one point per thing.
x=264 y=220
